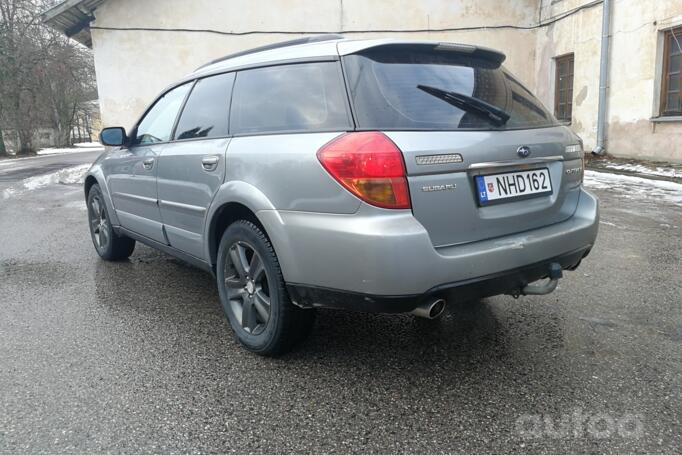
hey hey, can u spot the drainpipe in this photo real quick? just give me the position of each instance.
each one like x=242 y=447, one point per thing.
x=603 y=77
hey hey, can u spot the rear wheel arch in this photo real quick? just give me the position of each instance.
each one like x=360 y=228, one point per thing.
x=223 y=217
x=254 y=296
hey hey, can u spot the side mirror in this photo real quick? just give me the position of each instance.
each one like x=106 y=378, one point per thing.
x=115 y=136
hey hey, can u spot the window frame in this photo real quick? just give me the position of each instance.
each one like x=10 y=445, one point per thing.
x=184 y=105
x=192 y=80
x=133 y=134
x=350 y=125
x=668 y=37
x=569 y=58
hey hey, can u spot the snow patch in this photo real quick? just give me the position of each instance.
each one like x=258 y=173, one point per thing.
x=77 y=148
x=88 y=144
x=641 y=169
x=635 y=187
x=66 y=176
x=94 y=147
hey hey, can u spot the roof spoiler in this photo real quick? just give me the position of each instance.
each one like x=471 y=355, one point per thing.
x=476 y=51
x=354 y=47
x=269 y=47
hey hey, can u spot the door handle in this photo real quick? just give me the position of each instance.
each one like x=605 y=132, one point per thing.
x=209 y=163
x=148 y=163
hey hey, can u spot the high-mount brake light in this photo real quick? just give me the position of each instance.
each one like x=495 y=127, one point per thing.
x=369 y=165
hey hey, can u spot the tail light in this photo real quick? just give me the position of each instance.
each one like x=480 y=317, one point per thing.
x=369 y=165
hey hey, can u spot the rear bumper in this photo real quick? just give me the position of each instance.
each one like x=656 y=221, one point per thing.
x=354 y=261
x=485 y=286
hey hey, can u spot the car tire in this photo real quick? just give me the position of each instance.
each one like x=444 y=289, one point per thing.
x=253 y=293
x=108 y=244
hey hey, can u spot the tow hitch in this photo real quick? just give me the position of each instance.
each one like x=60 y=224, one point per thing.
x=555 y=273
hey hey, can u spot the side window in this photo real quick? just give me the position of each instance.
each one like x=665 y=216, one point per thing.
x=298 y=97
x=207 y=108
x=157 y=125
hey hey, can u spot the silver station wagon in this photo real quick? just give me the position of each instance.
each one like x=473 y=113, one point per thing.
x=371 y=175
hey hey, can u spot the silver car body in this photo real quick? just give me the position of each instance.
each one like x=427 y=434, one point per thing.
x=326 y=239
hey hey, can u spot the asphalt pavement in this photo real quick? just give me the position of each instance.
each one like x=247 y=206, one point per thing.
x=137 y=357
x=15 y=169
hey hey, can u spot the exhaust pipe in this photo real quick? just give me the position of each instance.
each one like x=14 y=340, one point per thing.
x=430 y=310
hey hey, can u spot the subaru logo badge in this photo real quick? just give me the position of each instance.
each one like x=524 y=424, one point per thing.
x=523 y=151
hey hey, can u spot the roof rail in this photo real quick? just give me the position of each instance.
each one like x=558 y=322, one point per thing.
x=268 y=47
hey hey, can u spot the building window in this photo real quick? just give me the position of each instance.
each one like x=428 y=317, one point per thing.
x=563 y=91
x=671 y=94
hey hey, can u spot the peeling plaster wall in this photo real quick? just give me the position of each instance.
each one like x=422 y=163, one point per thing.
x=579 y=34
x=633 y=91
x=133 y=66
x=634 y=73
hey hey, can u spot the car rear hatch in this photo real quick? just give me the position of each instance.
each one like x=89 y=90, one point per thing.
x=483 y=157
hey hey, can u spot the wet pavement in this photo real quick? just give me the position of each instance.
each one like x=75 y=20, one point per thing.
x=136 y=357
x=13 y=170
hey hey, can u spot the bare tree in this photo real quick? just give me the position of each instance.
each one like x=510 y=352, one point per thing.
x=43 y=75
x=3 y=149
x=68 y=80
x=19 y=57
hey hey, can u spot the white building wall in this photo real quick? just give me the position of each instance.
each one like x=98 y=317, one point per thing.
x=133 y=66
x=634 y=91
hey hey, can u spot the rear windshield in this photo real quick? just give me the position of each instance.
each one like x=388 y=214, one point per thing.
x=392 y=88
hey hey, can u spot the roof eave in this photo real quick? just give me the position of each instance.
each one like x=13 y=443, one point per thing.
x=72 y=18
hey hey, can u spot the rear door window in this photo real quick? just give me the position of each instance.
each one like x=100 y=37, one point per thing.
x=304 y=97
x=157 y=124
x=406 y=88
x=206 y=112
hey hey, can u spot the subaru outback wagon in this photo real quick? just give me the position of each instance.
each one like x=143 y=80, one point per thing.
x=372 y=175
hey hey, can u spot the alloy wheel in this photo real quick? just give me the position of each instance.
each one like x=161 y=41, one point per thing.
x=248 y=288
x=99 y=223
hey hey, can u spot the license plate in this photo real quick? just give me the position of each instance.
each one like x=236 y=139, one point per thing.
x=512 y=185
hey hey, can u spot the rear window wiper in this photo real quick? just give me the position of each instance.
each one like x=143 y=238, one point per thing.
x=478 y=107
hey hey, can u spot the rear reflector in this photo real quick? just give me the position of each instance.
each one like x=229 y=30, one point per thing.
x=369 y=165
